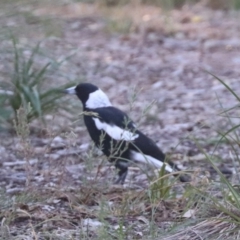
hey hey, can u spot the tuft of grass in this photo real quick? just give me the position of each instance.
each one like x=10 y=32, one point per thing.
x=29 y=87
x=22 y=129
x=237 y=4
x=217 y=203
x=123 y=26
x=160 y=188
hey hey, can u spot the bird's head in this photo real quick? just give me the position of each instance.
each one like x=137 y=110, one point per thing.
x=90 y=95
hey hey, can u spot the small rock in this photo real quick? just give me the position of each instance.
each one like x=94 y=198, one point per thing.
x=58 y=142
x=91 y=224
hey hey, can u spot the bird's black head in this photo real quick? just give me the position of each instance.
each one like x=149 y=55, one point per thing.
x=83 y=90
x=90 y=95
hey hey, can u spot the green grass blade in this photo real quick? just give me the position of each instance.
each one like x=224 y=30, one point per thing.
x=229 y=109
x=16 y=57
x=225 y=85
x=38 y=77
x=31 y=96
x=30 y=61
x=37 y=102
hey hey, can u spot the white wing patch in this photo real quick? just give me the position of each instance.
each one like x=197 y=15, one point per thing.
x=143 y=158
x=97 y=99
x=115 y=132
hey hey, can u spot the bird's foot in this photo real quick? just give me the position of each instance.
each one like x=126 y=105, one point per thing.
x=121 y=178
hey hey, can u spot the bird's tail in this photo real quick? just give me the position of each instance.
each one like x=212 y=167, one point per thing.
x=169 y=166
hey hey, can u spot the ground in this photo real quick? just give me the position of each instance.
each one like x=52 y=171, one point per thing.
x=156 y=65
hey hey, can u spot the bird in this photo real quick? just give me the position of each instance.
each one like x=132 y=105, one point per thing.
x=116 y=134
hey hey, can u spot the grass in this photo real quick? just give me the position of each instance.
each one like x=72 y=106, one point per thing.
x=28 y=87
x=226 y=200
x=168 y=4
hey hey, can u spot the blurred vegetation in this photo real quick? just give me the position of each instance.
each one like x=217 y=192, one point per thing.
x=162 y=3
x=169 y=4
x=29 y=87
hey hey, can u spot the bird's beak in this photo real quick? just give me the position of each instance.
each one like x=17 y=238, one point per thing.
x=70 y=90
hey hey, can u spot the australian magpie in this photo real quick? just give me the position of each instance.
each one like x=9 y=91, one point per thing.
x=116 y=134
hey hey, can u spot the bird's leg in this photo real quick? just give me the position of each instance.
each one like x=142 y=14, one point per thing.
x=122 y=171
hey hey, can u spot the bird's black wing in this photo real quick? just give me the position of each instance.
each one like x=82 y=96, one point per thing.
x=107 y=126
x=115 y=117
x=140 y=142
x=119 y=123
x=147 y=146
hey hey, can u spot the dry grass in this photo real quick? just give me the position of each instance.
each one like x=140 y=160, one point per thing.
x=213 y=228
x=124 y=18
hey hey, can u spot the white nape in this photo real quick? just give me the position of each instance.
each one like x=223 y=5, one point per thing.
x=143 y=158
x=97 y=99
x=115 y=132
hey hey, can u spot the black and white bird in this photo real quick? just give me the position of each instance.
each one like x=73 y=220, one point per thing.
x=116 y=134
